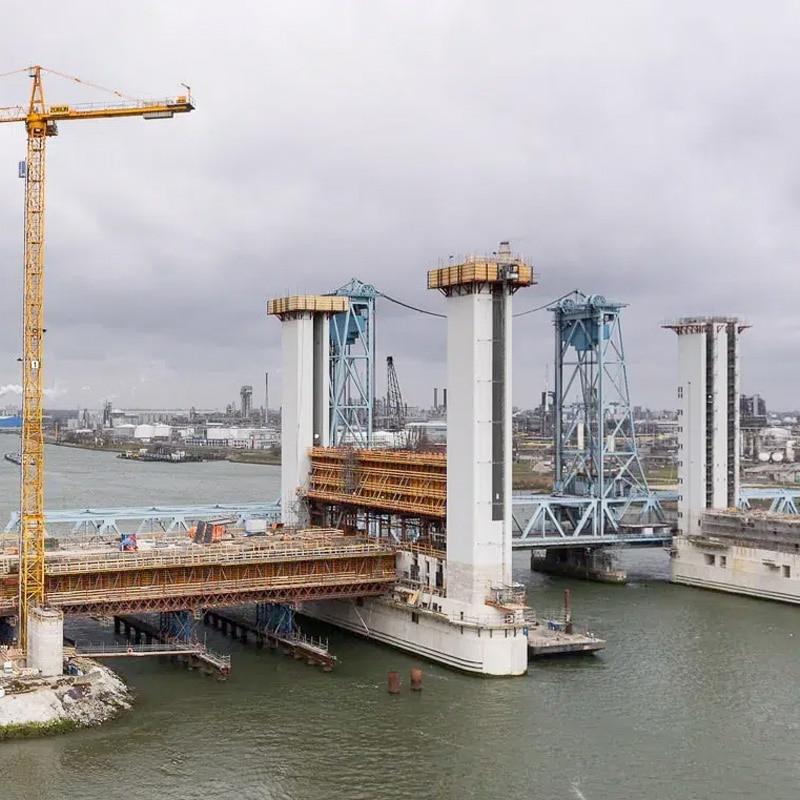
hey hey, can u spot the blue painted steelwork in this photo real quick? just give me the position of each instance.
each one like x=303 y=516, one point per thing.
x=600 y=487
x=167 y=519
x=178 y=626
x=782 y=499
x=352 y=365
x=542 y=520
x=276 y=618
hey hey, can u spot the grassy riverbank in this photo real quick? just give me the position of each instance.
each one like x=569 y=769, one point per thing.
x=29 y=730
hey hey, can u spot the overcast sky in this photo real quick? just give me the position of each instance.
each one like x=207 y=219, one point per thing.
x=643 y=150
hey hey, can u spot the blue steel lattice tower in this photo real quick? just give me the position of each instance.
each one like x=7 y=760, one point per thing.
x=352 y=364
x=594 y=438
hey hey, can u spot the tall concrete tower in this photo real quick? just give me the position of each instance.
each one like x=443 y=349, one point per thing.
x=479 y=294
x=305 y=407
x=708 y=416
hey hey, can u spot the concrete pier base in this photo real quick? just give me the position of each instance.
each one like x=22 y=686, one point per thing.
x=590 y=564
x=46 y=641
x=484 y=649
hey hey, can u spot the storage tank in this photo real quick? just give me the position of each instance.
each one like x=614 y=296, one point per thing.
x=763 y=456
x=777 y=456
x=775 y=435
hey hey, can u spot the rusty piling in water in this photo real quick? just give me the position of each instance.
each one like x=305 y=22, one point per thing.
x=394 y=682
x=416 y=679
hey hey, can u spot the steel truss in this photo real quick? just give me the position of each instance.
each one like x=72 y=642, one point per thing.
x=167 y=519
x=540 y=520
x=596 y=458
x=352 y=366
x=782 y=500
x=219 y=599
x=178 y=626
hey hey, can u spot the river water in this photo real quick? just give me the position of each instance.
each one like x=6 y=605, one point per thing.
x=696 y=696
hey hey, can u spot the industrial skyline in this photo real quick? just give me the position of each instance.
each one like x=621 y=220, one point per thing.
x=661 y=176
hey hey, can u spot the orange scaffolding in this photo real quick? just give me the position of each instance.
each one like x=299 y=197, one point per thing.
x=380 y=480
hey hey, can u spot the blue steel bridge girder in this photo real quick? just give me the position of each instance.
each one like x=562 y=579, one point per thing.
x=782 y=499
x=352 y=366
x=166 y=519
x=562 y=521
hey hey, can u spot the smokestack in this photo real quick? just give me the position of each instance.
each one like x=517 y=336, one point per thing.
x=435 y=398
x=444 y=398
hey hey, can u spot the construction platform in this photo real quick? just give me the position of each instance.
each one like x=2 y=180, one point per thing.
x=296 y=644
x=284 y=567
x=545 y=642
x=403 y=494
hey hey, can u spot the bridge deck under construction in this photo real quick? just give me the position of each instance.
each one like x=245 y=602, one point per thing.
x=284 y=568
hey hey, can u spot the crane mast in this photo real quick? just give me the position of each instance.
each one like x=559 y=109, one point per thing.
x=31 y=551
x=40 y=122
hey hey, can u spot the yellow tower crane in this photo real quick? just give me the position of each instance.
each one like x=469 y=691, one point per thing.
x=40 y=122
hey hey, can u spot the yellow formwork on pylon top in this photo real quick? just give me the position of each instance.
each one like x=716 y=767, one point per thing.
x=515 y=272
x=307 y=303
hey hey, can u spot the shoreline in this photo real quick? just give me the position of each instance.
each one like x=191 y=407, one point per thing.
x=33 y=706
x=234 y=456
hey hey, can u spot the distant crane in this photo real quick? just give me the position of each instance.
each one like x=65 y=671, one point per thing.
x=40 y=122
x=395 y=408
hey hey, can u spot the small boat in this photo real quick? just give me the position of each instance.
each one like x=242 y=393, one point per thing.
x=14 y=458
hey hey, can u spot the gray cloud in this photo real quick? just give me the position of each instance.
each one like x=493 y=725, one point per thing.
x=643 y=150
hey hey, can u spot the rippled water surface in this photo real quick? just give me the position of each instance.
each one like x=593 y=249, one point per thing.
x=696 y=696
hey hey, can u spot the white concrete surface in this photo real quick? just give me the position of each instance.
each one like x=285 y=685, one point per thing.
x=46 y=641
x=699 y=486
x=491 y=650
x=757 y=572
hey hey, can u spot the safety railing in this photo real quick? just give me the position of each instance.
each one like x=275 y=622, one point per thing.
x=216 y=555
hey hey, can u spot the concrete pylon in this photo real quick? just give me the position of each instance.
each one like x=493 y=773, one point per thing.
x=305 y=406
x=479 y=294
x=708 y=416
